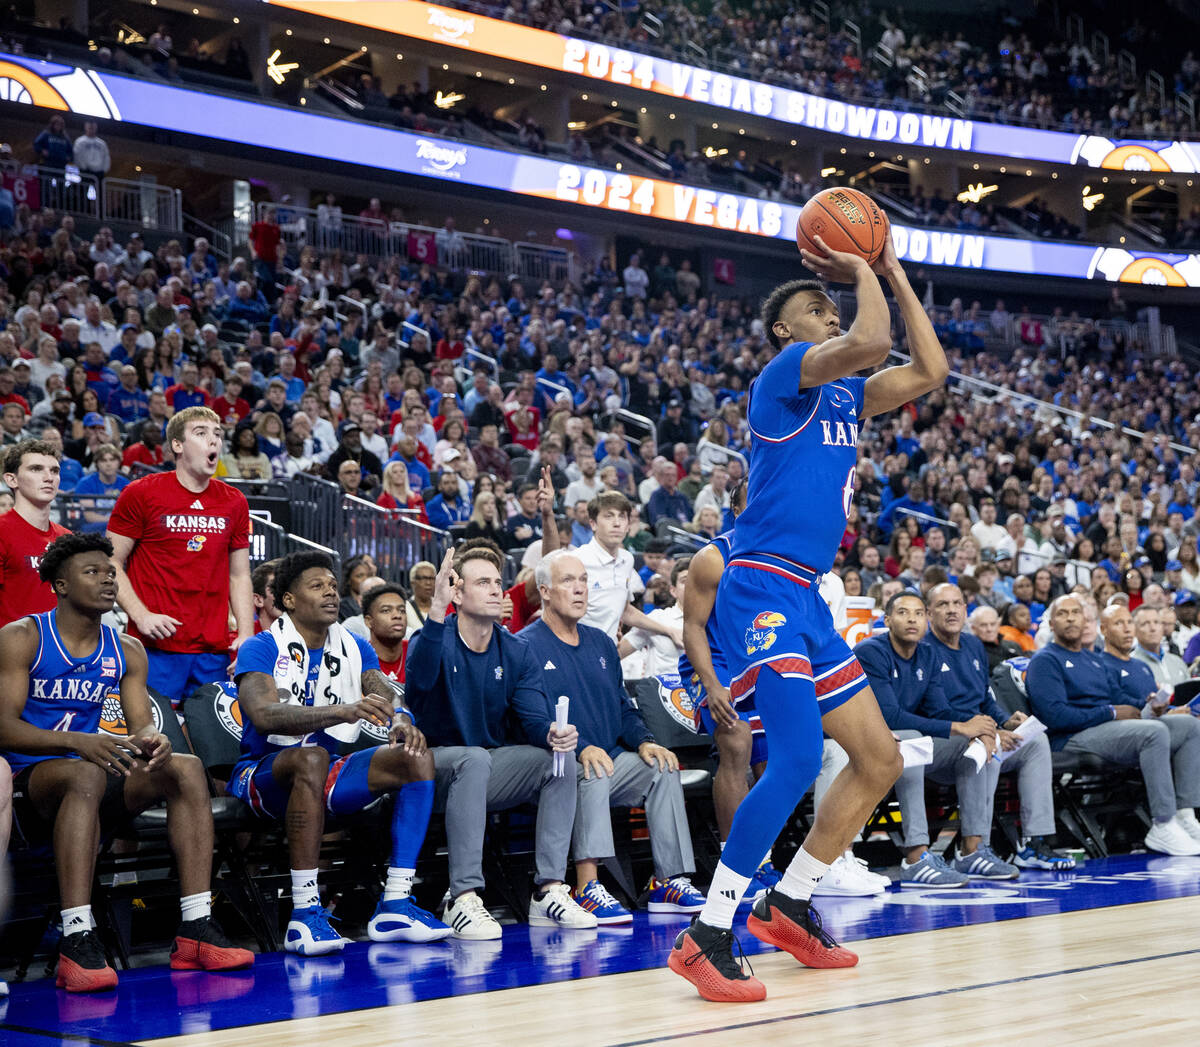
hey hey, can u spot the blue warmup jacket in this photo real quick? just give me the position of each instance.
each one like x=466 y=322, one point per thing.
x=590 y=675
x=460 y=698
x=1069 y=691
x=964 y=677
x=908 y=690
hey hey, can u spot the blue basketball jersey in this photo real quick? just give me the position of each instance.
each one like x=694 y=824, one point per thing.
x=68 y=693
x=802 y=463
x=724 y=545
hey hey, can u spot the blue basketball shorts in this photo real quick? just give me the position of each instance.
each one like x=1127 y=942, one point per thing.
x=253 y=783
x=770 y=614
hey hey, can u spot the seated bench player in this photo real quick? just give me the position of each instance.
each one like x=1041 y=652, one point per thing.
x=72 y=783
x=298 y=684
x=386 y=619
x=619 y=764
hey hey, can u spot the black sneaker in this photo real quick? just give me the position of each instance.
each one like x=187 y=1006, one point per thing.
x=82 y=965
x=795 y=926
x=201 y=945
x=704 y=956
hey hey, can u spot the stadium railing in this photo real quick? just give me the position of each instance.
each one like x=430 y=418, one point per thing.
x=143 y=205
x=380 y=241
x=395 y=538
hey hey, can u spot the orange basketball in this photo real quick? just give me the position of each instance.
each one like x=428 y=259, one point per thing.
x=846 y=220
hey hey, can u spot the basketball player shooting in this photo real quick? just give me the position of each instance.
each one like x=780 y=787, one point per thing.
x=804 y=413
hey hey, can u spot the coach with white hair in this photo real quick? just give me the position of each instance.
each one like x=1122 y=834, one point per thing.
x=620 y=764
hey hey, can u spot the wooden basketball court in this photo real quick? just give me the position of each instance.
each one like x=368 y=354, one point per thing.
x=1098 y=956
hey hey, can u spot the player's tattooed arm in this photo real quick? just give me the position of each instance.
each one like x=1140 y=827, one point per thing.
x=265 y=705
x=374 y=682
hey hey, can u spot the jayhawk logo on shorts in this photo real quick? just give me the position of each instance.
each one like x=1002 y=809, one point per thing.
x=196 y=543
x=761 y=634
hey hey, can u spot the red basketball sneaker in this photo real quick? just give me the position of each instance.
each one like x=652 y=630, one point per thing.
x=82 y=966
x=200 y=945
x=704 y=956
x=795 y=926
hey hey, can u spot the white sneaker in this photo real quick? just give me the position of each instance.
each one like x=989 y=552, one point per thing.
x=845 y=879
x=1171 y=838
x=882 y=882
x=1187 y=821
x=469 y=919
x=556 y=908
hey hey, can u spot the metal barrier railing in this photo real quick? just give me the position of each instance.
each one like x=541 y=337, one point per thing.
x=79 y=512
x=540 y=262
x=316 y=504
x=394 y=538
x=71 y=193
x=145 y=204
x=269 y=541
x=380 y=240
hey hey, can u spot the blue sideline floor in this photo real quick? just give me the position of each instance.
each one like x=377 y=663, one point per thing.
x=156 y=1002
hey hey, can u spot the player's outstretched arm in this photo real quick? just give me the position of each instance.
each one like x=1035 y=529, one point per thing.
x=927 y=370
x=241 y=595
x=866 y=344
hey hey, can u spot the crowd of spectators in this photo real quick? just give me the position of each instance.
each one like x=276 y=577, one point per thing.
x=1030 y=74
x=101 y=342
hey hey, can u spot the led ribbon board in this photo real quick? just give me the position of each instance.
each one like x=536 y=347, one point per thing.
x=302 y=133
x=546 y=50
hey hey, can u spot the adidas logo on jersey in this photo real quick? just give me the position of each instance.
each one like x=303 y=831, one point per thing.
x=549 y=665
x=945 y=667
x=196 y=505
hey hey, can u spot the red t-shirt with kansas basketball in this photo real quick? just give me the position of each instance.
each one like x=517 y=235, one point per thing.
x=22 y=547
x=180 y=561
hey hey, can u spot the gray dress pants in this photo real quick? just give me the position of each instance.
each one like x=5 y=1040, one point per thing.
x=976 y=790
x=634 y=783
x=1167 y=750
x=471 y=781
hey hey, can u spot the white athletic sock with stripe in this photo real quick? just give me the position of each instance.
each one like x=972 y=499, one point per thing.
x=399 y=883
x=76 y=919
x=305 y=893
x=724 y=895
x=196 y=906
x=802 y=875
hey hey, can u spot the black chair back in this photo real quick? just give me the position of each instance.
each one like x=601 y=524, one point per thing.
x=214 y=722
x=112 y=720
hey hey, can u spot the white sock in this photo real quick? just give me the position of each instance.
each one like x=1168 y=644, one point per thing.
x=723 y=897
x=304 y=889
x=76 y=919
x=802 y=876
x=196 y=906
x=399 y=883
